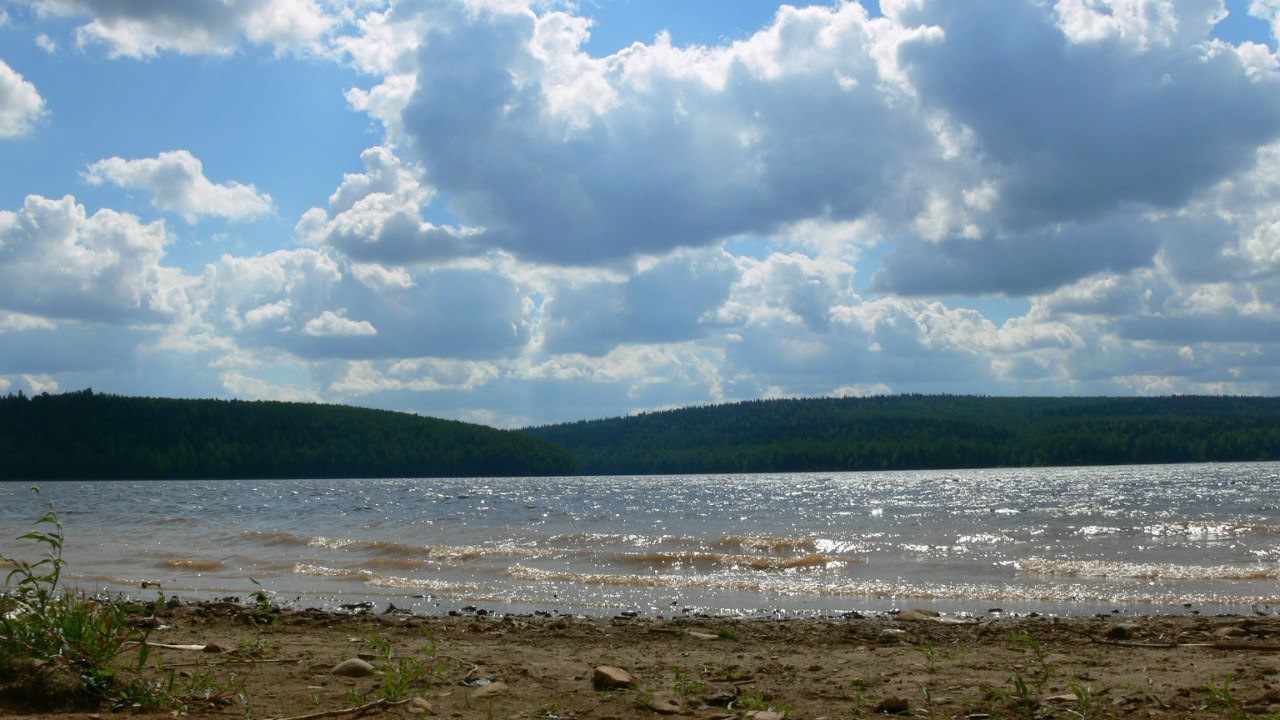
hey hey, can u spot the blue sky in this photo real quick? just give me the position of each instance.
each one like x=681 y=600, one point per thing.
x=517 y=212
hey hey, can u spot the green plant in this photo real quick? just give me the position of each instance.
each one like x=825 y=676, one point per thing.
x=756 y=699
x=1221 y=698
x=859 y=696
x=1086 y=706
x=930 y=652
x=261 y=597
x=59 y=647
x=685 y=686
x=1044 y=669
x=401 y=673
x=54 y=642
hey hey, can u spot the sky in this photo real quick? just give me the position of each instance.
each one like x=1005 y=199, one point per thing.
x=518 y=212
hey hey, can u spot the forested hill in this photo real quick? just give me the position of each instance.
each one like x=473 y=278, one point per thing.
x=925 y=431
x=96 y=436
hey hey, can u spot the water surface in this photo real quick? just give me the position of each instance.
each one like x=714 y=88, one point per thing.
x=1138 y=539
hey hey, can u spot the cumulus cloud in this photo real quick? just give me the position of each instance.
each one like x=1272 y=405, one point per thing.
x=58 y=262
x=177 y=183
x=141 y=29
x=673 y=300
x=20 y=103
x=569 y=159
x=376 y=216
x=1093 y=108
x=1021 y=264
x=313 y=305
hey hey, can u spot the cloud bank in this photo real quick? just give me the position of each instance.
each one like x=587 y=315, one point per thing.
x=841 y=203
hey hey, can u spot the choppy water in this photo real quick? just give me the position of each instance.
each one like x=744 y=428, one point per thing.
x=1064 y=540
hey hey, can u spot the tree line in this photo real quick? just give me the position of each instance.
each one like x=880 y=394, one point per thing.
x=88 y=435
x=924 y=432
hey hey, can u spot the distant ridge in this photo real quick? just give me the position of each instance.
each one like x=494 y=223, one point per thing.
x=84 y=435
x=924 y=431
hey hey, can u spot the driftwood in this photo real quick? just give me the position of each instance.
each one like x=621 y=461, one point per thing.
x=1256 y=647
x=379 y=704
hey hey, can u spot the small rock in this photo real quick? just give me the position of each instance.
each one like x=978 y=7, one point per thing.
x=720 y=698
x=493 y=688
x=763 y=715
x=1231 y=632
x=420 y=704
x=214 y=648
x=608 y=677
x=664 y=705
x=893 y=706
x=355 y=667
x=698 y=635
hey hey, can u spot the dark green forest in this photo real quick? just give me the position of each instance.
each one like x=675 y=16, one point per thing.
x=93 y=435
x=925 y=431
x=90 y=435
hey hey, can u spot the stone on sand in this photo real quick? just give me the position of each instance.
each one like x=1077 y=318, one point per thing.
x=354 y=667
x=608 y=677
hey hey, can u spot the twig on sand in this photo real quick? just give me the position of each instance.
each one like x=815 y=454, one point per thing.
x=1257 y=647
x=378 y=704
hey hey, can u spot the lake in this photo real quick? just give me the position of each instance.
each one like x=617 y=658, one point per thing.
x=1132 y=539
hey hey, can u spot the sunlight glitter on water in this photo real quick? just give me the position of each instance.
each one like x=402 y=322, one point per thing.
x=1073 y=539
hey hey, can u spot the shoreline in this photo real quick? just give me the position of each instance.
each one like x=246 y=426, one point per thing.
x=535 y=666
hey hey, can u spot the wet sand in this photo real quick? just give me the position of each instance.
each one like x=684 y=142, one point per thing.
x=545 y=667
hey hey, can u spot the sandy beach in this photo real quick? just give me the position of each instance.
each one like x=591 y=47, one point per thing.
x=912 y=663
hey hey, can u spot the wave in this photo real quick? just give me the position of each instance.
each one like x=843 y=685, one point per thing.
x=199 y=565
x=1043 y=567
x=767 y=543
x=387 y=581
x=755 y=562
x=398 y=551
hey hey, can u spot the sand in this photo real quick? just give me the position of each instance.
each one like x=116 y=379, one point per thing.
x=544 y=667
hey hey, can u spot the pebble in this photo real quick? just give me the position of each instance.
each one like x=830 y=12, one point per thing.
x=664 y=705
x=355 y=667
x=763 y=715
x=608 y=677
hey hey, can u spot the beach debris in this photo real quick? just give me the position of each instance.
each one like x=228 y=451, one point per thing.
x=357 y=607
x=477 y=682
x=919 y=614
x=353 y=667
x=721 y=697
x=490 y=690
x=608 y=677
x=1122 y=631
x=702 y=635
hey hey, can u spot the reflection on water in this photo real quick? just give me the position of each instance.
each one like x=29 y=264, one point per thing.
x=1076 y=540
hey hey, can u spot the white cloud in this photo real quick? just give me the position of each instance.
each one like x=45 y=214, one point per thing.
x=177 y=183
x=20 y=103
x=46 y=43
x=671 y=301
x=58 y=262
x=376 y=216
x=143 y=29
x=331 y=324
x=310 y=304
x=569 y=159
